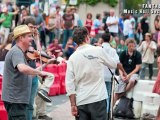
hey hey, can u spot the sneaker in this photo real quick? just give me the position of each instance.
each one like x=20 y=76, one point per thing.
x=44 y=95
x=45 y=117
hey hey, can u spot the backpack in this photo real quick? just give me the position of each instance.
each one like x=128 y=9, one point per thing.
x=124 y=108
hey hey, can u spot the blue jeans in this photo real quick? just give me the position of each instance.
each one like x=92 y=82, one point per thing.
x=57 y=33
x=33 y=95
x=51 y=36
x=66 y=34
x=43 y=38
x=108 y=86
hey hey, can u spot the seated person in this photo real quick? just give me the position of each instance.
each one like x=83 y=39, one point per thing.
x=55 y=49
x=131 y=61
x=113 y=43
x=99 y=42
x=70 y=48
x=121 y=47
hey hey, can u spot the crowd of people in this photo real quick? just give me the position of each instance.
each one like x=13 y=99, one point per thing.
x=125 y=45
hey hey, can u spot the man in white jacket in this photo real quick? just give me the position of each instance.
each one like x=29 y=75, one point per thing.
x=85 y=78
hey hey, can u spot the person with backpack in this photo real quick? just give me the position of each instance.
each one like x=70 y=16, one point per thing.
x=131 y=61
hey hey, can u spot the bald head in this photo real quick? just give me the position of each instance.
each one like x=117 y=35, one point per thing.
x=111 y=12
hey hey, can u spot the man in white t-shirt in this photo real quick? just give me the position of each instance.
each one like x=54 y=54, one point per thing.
x=112 y=23
x=126 y=27
x=76 y=16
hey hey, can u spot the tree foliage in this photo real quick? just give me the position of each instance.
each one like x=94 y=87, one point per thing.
x=112 y=3
x=133 y=4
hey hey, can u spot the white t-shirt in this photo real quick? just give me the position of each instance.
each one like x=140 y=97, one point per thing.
x=112 y=28
x=1 y=67
x=131 y=29
x=126 y=27
x=147 y=56
x=76 y=18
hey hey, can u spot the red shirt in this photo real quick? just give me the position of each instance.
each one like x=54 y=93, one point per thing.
x=55 y=49
x=88 y=25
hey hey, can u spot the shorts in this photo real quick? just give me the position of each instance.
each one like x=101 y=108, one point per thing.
x=114 y=34
x=120 y=88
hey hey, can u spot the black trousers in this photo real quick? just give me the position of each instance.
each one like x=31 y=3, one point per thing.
x=93 y=111
x=43 y=38
x=16 y=111
x=150 y=66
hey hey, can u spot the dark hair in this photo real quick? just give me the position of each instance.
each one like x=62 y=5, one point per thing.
x=57 y=7
x=123 y=14
x=126 y=16
x=89 y=14
x=106 y=36
x=98 y=16
x=79 y=35
x=24 y=9
x=29 y=19
x=158 y=51
x=9 y=40
x=106 y=14
x=156 y=18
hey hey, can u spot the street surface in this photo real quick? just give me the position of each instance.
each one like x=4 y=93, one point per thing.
x=60 y=108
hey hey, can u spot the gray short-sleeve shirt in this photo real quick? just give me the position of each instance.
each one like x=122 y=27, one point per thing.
x=16 y=86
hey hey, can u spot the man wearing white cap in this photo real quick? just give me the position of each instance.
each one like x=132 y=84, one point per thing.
x=17 y=79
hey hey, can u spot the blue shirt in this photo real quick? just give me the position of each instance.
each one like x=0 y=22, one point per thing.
x=120 y=23
x=39 y=20
x=71 y=50
x=96 y=23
